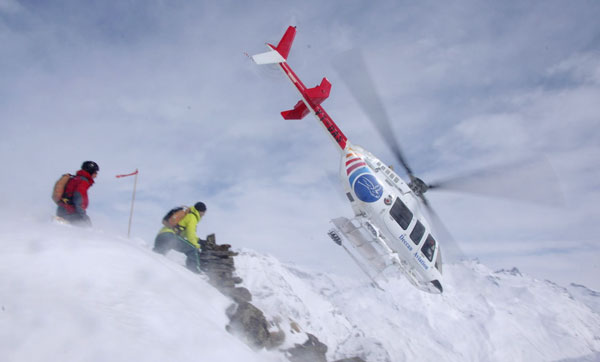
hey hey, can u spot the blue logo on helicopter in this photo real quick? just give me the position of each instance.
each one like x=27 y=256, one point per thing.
x=367 y=188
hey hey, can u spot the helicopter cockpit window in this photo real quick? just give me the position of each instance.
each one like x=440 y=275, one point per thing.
x=417 y=233
x=401 y=214
x=428 y=248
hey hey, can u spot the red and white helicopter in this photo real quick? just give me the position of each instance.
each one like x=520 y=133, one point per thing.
x=389 y=229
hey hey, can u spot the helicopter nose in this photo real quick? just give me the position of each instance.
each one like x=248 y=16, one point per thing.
x=437 y=285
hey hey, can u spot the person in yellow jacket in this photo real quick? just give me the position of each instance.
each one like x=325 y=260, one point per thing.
x=183 y=237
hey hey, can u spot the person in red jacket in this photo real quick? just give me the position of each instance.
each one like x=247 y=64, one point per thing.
x=74 y=202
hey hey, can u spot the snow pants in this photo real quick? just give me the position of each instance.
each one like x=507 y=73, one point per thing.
x=169 y=241
x=74 y=218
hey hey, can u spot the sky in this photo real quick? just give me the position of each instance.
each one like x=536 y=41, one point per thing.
x=166 y=88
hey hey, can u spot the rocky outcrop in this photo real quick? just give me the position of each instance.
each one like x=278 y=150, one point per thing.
x=247 y=321
x=216 y=261
x=310 y=351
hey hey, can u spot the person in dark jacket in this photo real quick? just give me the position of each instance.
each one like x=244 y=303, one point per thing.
x=74 y=202
x=183 y=237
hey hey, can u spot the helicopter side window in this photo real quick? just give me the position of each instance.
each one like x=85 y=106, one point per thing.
x=417 y=233
x=401 y=213
x=428 y=248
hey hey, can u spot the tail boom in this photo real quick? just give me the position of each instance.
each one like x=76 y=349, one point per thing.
x=311 y=97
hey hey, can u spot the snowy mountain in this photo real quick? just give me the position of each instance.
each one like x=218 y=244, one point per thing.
x=82 y=295
x=482 y=316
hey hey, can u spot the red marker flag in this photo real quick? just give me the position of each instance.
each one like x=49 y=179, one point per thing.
x=129 y=174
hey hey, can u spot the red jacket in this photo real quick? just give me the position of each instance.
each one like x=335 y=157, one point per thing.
x=76 y=193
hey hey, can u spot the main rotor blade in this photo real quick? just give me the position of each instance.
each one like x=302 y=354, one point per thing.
x=451 y=251
x=531 y=181
x=351 y=67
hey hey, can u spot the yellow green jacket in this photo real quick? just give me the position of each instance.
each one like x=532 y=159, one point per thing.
x=187 y=227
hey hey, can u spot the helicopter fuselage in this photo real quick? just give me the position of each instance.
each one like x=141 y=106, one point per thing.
x=382 y=202
x=385 y=205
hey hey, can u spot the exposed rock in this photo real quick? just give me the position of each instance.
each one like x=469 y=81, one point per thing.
x=247 y=321
x=514 y=271
x=250 y=324
x=311 y=351
x=277 y=338
x=238 y=294
x=216 y=261
x=294 y=326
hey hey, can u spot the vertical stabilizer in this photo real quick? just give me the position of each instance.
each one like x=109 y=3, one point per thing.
x=285 y=44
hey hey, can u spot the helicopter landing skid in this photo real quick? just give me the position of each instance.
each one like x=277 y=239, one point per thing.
x=335 y=236
x=368 y=249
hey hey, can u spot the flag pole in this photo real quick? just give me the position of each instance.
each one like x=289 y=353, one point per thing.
x=132 y=202
x=132 y=198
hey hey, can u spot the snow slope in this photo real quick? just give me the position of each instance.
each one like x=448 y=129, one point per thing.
x=69 y=294
x=82 y=295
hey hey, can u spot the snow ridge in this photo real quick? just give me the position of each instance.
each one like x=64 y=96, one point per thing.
x=483 y=315
x=76 y=295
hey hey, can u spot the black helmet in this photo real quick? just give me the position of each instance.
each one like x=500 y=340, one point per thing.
x=200 y=206
x=90 y=167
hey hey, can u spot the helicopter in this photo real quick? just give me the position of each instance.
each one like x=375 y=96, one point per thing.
x=394 y=226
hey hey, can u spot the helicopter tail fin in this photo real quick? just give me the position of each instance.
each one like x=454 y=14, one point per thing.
x=285 y=44
x=279 y=53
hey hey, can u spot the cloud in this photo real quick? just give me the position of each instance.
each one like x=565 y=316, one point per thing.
x=9 y=6
x=166 y=88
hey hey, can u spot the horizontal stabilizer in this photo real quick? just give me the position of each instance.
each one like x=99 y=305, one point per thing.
x=315 y=95
x=300 y=110
x=269 y=57
x=319 y=93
